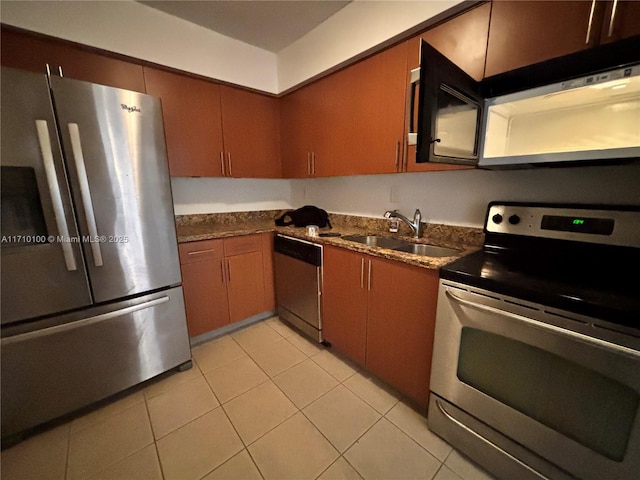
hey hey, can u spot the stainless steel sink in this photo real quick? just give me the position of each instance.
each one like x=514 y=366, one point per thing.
x=402 y=246
x=427 y=250
x=376 y=241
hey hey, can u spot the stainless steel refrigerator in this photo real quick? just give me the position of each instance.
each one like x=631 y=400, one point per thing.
x=91 y=300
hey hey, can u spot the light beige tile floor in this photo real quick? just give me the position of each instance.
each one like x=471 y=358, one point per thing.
x=260 y=403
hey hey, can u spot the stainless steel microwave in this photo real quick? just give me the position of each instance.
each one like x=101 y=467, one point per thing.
x=583 y=118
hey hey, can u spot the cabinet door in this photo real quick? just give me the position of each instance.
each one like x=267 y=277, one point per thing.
x=296 y=128
x=344 y=301
x=251 y=133
x=526 y=32
x=33 y=52
x=621 y=20
x=333 y=105
x=380 y=100
x=269 y=279
x=192 y=122
x=401 y=323
x=205 y=296
x=245 y=285
x=462 y=39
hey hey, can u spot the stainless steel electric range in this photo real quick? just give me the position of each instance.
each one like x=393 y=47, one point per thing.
x=536 y=364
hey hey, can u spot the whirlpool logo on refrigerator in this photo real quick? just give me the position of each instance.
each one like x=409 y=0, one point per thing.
x=130 y=109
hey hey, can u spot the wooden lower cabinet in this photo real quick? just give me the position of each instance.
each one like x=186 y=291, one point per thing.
x=401 y=325
x=205 y=296
x=381 y=314
x=269 y=278
x=245 y=286
x=344 y=301
x=226 y=280
x=204 y=285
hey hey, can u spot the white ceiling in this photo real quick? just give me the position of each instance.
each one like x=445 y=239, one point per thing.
x=267 y=24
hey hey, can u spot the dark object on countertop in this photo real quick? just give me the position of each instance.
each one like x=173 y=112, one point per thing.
x=330 y=234
x=303 y=216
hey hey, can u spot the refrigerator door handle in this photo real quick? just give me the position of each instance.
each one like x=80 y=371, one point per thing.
x=83 y=323
x=85 y=193
x=54 y=191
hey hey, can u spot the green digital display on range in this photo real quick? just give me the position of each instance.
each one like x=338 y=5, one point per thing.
x=594 y=226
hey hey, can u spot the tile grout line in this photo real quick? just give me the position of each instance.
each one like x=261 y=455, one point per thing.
x=125 y=457
x=298 y=409
x=255 y=463
x=382 y=415
x=341 y=383
x=155 y=442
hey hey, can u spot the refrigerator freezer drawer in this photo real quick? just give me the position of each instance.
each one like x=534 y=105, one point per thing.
x=69 y=364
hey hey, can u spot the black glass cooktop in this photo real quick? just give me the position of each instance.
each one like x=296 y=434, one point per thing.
x=596 y=281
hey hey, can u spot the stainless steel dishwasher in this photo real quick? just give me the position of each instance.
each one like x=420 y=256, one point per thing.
x=298 y=272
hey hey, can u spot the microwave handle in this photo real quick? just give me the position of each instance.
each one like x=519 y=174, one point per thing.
x=412 y=135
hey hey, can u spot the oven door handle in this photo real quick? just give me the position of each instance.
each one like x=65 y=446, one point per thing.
x=546 y=326
x=480 y=437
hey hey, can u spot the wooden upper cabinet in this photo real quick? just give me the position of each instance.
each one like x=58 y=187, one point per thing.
x=348 y=123
x=296 y=128
x=251 y=133
x=621 y=20
x=192 y=122
x=333 y=109
x=379 y=112
x=33 y=52
x=462 y=39
x=526 y=32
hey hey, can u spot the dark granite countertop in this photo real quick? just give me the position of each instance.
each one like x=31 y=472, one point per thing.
x=193 y=228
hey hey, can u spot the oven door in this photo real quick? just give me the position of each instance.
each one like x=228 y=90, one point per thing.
x=570 y=398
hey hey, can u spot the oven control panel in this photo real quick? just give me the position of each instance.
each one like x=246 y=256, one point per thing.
x=603 y=225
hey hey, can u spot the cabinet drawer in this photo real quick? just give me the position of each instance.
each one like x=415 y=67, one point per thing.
x=198 y=251
x=243 y=244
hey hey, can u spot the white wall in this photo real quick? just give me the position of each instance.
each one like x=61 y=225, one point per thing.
x=457 y=198
x=215 y=195
x=461 y=197
x=130 y=28
x=133 y=29
x=356 y=28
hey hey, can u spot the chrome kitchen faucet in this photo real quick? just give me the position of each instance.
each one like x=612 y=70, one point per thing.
x=415 y=225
